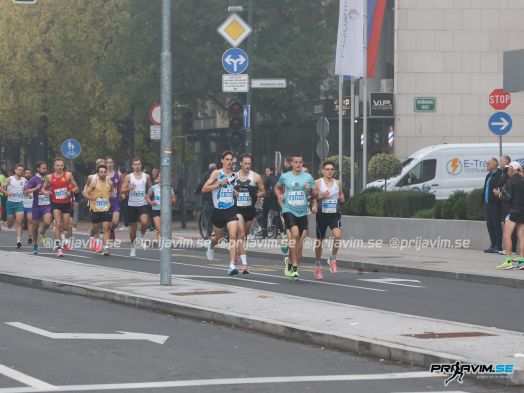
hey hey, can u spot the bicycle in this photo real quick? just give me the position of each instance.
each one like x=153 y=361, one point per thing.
x=272 y=228
x=205 y=224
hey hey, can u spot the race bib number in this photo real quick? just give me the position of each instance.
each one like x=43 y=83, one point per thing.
x=244 y=199
x=296 y=198
x=102 y=204
x=18 y=196
x=329 y=206
x=138 y=194
x=114 y=193
x=43 y=200
x=61 y=193
x=226 y=197
x=157 y=198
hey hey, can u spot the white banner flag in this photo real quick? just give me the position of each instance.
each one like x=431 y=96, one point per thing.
x=350 y=39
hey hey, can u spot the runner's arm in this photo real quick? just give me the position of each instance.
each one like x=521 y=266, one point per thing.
x=211 y=183
x=74 y=186
x=148 y=196
x=125 y=185
x=3 y=186
x=149 y=183
x=87 y=192
x=278 y=193
x=341 y=196
x=261 y=188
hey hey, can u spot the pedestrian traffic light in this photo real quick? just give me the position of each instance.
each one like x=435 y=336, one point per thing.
x=236 y=137
x=236 y=140
x=187 y=121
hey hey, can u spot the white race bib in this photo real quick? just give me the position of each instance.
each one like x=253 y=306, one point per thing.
x=61 y=193
x=244 y=199
x=102 y=204
x=329 y=206
x=43 y=200
x=296 y=198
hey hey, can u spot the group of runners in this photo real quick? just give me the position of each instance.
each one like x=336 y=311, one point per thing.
x=234 y=198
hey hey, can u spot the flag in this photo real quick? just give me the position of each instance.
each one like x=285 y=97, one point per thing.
x=350 y=39
x=375 y=14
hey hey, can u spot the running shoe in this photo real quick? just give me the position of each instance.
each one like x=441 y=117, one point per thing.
x=133 y=252
x=92 y=244
x=294 y=275
x=19 y=245
x=59 y=253
x=41 y=239
x=35 y=249
x=98 y=246
x=210 y=253
x=332 y=265
x=67 y=247
x=319 y=274
x=106 y=251
x=245 y=269
x=111 y=234
x=286 y=268
x=29 y=240
x=506 y=265
x=231 y=272
x=519 y=266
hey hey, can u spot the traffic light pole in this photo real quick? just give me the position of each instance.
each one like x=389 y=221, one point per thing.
x=249 y=133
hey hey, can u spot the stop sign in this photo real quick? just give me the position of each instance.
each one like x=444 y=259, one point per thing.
x=499 y=99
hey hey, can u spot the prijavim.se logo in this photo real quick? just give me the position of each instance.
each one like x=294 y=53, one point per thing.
x=457 y=371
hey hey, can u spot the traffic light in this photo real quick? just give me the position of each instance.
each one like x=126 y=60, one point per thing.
x=187 y=121
x=236 y=136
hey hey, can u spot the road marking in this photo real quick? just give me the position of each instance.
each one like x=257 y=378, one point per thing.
x=72 y=255
x=225 y=278
x=91 y=336
x=392 y=281
x=24 y=378
x=437 y=391
x=226 y=381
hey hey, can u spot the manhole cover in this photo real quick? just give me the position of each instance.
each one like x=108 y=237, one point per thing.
x=194 y=293
x=427 y=335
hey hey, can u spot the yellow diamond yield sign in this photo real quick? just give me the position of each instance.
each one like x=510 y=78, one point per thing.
x=234 y=30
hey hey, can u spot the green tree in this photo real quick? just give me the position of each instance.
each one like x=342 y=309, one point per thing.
x=384 y=166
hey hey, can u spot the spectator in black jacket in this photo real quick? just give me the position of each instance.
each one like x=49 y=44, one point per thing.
x=503 y=178
x=207 y=197
x=270 y=201
x=513 y=192
x=493 y=206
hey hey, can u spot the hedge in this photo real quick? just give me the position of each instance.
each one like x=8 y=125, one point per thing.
x=398 y=203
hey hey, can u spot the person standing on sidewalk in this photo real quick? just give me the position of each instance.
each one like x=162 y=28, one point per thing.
x=221 y=184
x=14 y=187
x=492 y=206
x=504 y=206
x=513 y=192
x=136 y=184
x=330 y=195
x=293 y=191
x=248 y=188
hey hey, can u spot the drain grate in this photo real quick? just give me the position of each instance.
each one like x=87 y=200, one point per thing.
x=194 y=293
x=428 y=335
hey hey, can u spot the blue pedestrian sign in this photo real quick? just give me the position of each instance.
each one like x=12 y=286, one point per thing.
x=500 y=123
x=71 y=149
x=235 y=61
x=246 y=117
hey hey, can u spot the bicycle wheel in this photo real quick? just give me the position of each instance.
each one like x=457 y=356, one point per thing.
x=272 y=218
x=203 y=227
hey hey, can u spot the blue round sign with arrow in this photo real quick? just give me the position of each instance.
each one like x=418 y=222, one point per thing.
x=500 y=123
x=235 y=61
x=71 y=149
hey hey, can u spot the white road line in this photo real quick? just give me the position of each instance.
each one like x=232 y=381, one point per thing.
x=226 y=381
x=225 y=278
x=437 y=391
x=24 y=378
x=72 y=255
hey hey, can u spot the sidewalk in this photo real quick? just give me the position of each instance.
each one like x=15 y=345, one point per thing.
x=344 y=327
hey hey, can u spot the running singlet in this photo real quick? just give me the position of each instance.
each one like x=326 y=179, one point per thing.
x=101 y=193
x=137 y=197
x=245 y=191
x=16 y=188
x=223 y=196
x=28 y=199
x=156 y=191
x=39 y=199
x=115 y=179
x=59 y=189
x=330 y=204
x=295 y=194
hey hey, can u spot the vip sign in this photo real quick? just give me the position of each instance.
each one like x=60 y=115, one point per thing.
x=381 y=105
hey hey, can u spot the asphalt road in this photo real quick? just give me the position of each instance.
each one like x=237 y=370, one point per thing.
x=438 y=298
x=206 y=357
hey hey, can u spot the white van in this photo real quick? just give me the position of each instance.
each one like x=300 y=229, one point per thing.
x=443 y=169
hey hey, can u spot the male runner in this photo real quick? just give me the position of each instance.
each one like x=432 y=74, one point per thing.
x=41 y=203
x=28 y=208
x=249 y=187
x=221 y=183
x=94 y=232
x=297 y=186
x=330 y=195
x=62 y=186
x=153 y=198
x=136 y=184
x=116 y=178
x=14 y=186
x=98 y=192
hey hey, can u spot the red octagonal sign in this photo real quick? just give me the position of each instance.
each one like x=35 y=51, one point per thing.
x=499 y=99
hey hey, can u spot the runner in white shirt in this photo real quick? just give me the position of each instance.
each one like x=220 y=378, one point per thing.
x=136 y=184
x=13 y=187
x=28 y=208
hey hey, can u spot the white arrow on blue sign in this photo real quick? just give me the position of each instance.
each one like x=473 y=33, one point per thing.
x=246 y=117
x=500 y=123
x=70 y=149
x=235 y=61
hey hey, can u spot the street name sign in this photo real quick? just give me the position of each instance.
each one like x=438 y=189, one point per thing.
x=235 y=83
x=278 y=83
x=425 y=104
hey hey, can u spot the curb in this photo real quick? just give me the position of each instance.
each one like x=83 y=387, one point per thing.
x=368 y=347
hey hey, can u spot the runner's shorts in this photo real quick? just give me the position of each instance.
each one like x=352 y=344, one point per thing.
x=517 y=217
x=222 y=216
x=325 y=220
x=156 y=213
x=12 y=208
x=114 y=205
x=134 y=212
x=247 y=213
x=98 y=217
x=290 y=220
x=40 y=211
x=65 y=208
x=28 y=209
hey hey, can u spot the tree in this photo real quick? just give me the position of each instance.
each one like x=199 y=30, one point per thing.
x=384 y=166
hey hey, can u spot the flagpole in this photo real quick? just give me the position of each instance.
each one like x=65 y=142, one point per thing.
x=365 y=99
x=340 y=86
x=352 y=138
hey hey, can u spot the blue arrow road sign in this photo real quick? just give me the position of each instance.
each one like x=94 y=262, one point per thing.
x=235 y=61
x=246 y=117
x=500 y=123
x=71 y=149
